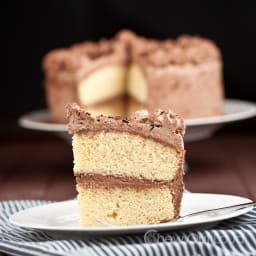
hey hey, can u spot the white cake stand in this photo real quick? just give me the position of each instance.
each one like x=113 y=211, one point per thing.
x=196 y=128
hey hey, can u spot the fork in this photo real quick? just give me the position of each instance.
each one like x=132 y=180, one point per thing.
x=218 y=211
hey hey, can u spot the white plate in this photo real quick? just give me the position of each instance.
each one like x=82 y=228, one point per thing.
x=62 y=218
x=197 y=128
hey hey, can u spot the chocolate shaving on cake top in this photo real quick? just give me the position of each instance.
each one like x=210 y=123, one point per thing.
x=163 y=126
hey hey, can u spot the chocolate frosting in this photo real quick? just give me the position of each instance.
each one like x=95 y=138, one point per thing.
x=185 y=49
x=111 y=181
x=83 y=58
x=162 y=126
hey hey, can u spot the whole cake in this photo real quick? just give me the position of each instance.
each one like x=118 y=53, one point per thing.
x=128 y=73
x=92 y=74
x=128 y=170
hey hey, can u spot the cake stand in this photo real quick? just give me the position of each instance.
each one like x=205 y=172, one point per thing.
x=196 y=128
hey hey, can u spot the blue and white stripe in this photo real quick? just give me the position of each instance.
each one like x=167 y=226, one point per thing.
x=232 y=237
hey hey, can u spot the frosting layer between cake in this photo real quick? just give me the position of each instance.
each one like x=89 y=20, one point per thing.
x=110 y=181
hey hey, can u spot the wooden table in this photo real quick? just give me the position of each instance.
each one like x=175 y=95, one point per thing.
x=39 y=166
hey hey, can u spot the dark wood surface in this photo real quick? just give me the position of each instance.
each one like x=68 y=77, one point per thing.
x=39 y=166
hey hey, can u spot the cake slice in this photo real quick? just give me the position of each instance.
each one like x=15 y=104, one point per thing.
x=92 y=74
x=128 y=171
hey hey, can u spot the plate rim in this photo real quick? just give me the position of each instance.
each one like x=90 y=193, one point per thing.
x=26 y=120
x=226 y=118
x=157 y=226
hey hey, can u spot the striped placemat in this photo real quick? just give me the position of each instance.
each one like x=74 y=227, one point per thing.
x=236 y=236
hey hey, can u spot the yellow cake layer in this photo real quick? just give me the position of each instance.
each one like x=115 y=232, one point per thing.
x=127 y=206
x=136 y=83
x=124 y=154
x=104 y=83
